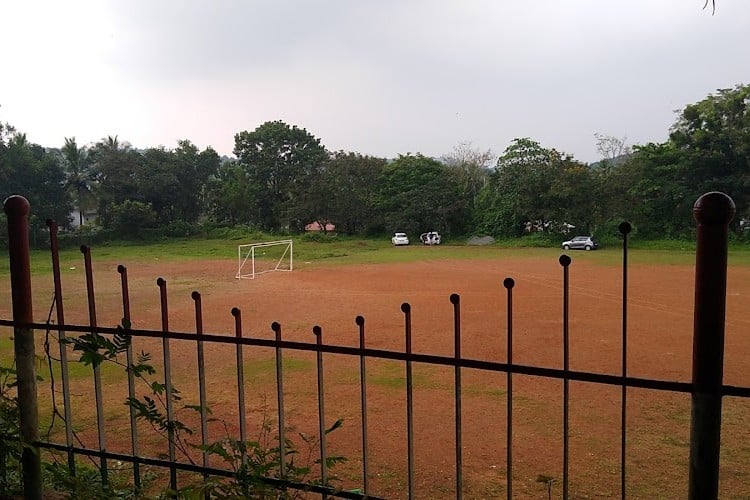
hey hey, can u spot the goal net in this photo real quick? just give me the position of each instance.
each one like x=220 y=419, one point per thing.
x=258 y=258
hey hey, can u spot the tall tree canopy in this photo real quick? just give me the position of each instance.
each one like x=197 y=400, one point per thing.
x=713 y=137
x=353 y=179
x=114 y=166
x=280 y=161
x=79 y=177
x=535 y=185
x=30 y=170
x=418 y=195
x=172 y=181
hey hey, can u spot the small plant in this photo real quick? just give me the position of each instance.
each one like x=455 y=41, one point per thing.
x=87 y=484
x=320 y=237
x=549 y=481
x=252 y=462
x=10 y=438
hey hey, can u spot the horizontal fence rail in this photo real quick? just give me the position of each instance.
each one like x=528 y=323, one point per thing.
x=66 y=333
x=493 y=366
x=431 y=359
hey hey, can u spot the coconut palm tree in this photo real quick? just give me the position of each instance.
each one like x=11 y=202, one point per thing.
x=79 y=179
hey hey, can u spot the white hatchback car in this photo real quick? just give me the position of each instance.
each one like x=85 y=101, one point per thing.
x=400 y=239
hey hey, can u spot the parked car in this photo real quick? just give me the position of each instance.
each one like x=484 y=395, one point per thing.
x=580 y=243
x=400 y=239
x=431 y=238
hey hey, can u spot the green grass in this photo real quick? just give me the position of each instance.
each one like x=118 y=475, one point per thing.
x=392 y=375
x=262 y=371
x=76 y=370
x=346 y=250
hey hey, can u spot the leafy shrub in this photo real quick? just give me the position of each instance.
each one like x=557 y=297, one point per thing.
x=250 y=461
x=10 y=437
x=320 y=237
x=179 y=228
x=130 y=216
x=608 y=233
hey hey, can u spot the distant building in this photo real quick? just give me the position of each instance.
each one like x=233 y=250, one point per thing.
x=315 y=226
x=88 y=216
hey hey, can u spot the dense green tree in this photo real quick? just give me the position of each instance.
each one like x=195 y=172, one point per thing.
x=157 y=183
x=229 y=198
x=708 y=149
x=280 y=162
x=114 y=166
x=659 y=200
x=713 y=138
x=173 y=182
x=79 y=180
x=521 y=188
x=418 y=194
x=131 y=216
x=574 y=195
x=535 y=186
x=311 y=203
x=29 y=170
x=195 y=167
x=351 y=180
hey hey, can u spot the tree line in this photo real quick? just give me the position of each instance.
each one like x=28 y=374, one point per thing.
x=282 y=178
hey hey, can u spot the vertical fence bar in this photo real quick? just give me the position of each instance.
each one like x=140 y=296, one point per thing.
x=86 y=251
x=406 y=309
x=456 y=301
x=565 y=263
x=276 y=327
x=240 y=377
x=201 y=376
x=17 y=210
x=509 y=283
x=60 y=312
x=713 y=212
x=360 y=321
x=134 y=448
x=625 y=229
x=162 y=284
x=318 y=332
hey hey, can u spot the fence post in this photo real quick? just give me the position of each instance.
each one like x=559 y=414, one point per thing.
x=17 y=209
x=713 y=212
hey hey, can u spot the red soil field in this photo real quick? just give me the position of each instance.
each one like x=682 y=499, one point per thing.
x=659 y=346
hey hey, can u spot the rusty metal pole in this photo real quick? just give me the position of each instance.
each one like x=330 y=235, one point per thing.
x=17 y=209
x=713 y=212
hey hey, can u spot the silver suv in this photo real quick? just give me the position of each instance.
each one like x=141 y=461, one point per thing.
x=580 y=242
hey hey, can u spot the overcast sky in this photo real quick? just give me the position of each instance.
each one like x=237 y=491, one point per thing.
x=379 y=77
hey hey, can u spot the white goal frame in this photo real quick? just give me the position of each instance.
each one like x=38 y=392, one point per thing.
x=246 y=253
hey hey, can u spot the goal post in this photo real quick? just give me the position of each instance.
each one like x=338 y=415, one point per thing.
x=258 y=258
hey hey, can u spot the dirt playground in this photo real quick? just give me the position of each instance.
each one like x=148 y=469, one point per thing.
x=660 y=323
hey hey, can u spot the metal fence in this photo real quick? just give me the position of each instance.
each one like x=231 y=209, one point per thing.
x=713 y=212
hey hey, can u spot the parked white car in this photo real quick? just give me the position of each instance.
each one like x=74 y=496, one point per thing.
x=431 y=238
x=400 y=239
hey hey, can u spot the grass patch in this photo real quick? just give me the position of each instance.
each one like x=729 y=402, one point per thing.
x=6 y=347
x=349 y=250
x=392 y=375
x=478 y=390
x=260 y=371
